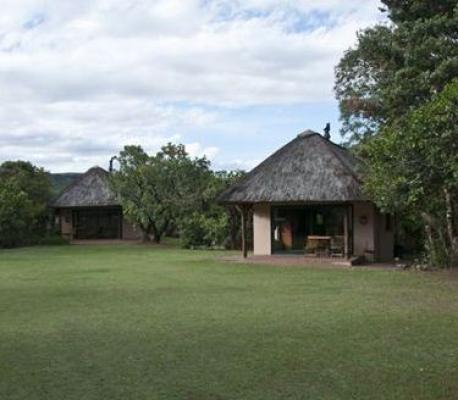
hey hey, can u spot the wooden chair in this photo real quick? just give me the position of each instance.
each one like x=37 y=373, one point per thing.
x=337 y=246
x=317 y=246
x=310 y=247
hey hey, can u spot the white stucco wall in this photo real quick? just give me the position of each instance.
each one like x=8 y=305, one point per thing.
x=372 y=239
x=261 y=229
x=364 y=230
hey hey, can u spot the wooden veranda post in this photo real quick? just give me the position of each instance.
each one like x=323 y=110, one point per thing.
x=244 y=214
x=346 y=231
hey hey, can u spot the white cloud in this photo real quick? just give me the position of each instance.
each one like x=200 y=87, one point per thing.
x=196 y=149
x=73 y=135
x=237 y=164
x=80 y=78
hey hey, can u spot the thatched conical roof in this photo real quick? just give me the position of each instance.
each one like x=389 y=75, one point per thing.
x=92 y=189
x=309 y=168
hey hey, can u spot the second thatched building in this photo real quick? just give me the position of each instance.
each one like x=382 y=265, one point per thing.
x=90 y=209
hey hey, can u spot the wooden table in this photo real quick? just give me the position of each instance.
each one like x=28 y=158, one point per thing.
x=322 y=243
x=318 y=237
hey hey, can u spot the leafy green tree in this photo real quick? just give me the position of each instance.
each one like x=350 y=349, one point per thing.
x=32 y=180
x=413 y=169
x=202 y=230
x=173 y=192
x=129 y=182
x=397 y=66
x=212 y=225
x=389 y=88
x=185 y=181
x=15 y=213
x=157 y=191
x=25 y=191
x=226 y=179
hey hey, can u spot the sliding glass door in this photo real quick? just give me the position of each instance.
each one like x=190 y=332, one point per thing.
x=295 y=228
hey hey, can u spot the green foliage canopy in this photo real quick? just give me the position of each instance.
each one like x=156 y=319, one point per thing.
x=408 y=170
x=398 y=83
x=171 y=192
x=213 y=225
x=156 y=191
x=25 y=191
x=413 y=168
x=397 y=66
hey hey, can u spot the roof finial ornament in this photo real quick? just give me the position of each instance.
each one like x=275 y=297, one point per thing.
x=110 y=169
x=327 y=131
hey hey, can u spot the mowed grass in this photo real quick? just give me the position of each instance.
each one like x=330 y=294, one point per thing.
x=143 y=322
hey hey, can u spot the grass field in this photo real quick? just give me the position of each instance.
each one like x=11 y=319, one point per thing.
x=139 y=322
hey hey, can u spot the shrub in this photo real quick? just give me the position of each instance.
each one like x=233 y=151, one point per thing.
x=24 y=194
x=200 y=230
x=51 y=240
x=16 y=215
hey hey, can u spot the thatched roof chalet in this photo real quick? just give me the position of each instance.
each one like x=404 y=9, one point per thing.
x=92 y=189
x=310 y=168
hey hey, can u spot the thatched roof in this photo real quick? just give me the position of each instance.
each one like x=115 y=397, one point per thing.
x=309 y=168
x=92 y=189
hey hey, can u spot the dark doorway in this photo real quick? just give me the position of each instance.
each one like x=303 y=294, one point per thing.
x=97 y=223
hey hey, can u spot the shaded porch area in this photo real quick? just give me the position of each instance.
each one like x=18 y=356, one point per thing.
x=97 y=223
x=313 y=230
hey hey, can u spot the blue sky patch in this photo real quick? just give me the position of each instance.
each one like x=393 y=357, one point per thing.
x=34 y=21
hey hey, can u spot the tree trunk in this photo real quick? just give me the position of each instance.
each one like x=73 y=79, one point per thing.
x=450 y=230
x=159 y=231
x=429 y=238
x=146 y=231
x=145 y=236
x=346 y=244
x=156 y=234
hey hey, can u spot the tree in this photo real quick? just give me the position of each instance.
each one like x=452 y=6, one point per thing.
x=32 y=180
x=156 y=191
x=25 y=191
x=413 y=168
x=389 y=88
x=398 y=66
x=212 y=225
x=15 y=213
x=130 y=184
x=226 y=179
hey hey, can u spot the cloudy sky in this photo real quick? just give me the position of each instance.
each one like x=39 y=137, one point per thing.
x=232 y=79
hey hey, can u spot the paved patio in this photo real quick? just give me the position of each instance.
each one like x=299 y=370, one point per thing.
x=301 y=260
x=104 y=241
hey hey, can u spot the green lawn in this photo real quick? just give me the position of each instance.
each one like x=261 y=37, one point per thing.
x=140 y=322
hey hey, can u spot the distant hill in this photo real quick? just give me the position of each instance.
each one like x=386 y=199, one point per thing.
x=61 y=181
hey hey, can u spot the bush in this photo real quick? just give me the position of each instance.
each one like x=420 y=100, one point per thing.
x=50 y=240
x=25 y=191
x=15 y=214
x=200 y=230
